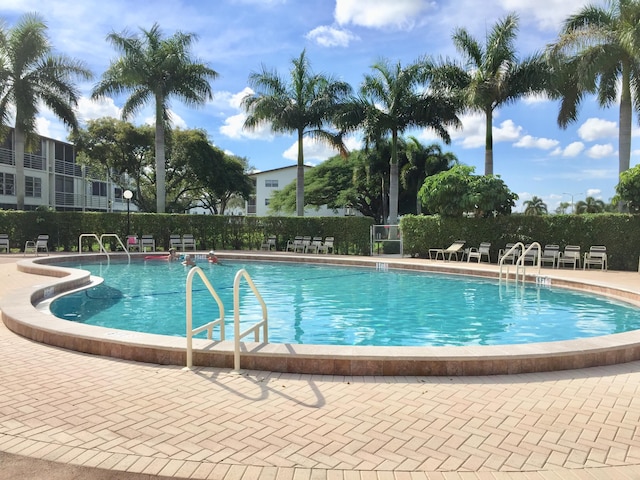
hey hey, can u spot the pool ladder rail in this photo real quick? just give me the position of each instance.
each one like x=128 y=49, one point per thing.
x=262 y=325
x=101 y=243
x=519 y=264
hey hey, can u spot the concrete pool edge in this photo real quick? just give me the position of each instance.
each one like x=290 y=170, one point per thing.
x=21 y=316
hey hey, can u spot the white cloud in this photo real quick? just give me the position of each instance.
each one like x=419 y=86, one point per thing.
x=506 y=132
x=573 y=149
x=528 y=141
x=593 y=192
x=314 y=151
x=400 y=14
x=43 y=128
x=596 y=128
x=92 y=109
x=234 y=128
x=548 y=14
x=331 y=37
x=601 y=151
x=176 y=120
x=535 y=99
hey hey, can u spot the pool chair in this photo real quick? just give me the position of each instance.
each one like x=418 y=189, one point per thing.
x=302 y=246
x=175 y=241
x=133 y=243
x=550 y=255
x=570 y=256
x=269 y=243
x=292 y=244
x=41 y=244
x=314 y=245
x=147 y=241
x=327 y=245
x=508 y=256
x=531 y=255
x=188 y=242
x=483 y=251
x=4 y=242
x=596 y=256
x=454 y=249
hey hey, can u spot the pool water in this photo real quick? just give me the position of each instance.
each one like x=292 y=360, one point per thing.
x=318 y=304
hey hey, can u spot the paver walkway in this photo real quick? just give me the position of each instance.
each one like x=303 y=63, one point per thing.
x=92 y=411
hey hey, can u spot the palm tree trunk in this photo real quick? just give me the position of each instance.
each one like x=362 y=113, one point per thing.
x=393 y=180
x=624 y=133
x=488 y=151
x=300 y=177
x=19 y=153
x=160 y=157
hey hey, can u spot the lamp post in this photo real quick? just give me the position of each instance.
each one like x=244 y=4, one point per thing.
x=128 y=194
x=573 y=208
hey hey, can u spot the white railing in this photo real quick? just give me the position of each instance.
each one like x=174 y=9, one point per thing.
x=236 y=317
x=207 y=326
x=520 y=266
x=101 y=243
x=509 y=254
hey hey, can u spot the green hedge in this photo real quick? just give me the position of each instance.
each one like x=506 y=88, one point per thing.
x=219 y=232
x=620 y=233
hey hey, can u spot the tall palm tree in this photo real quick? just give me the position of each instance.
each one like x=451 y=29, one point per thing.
x=423 y=162
x=391 y=100
x=590 y=205
x=303 y=106
x=535 y=206
x=598 y=51
x=154 y=69
x=29 y=74
x=491 y=76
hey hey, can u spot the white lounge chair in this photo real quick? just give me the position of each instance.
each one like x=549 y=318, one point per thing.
x=511 y=257
x=41 y=244
x=314 y=245
x=4 y=242
x=327 y=245
x=596 y=256
x=269 y=243
x=147 y=241
x=188 y=242
x=570 y=256
x=454 y=249
x=484 y=250
x=133 y=243
x=175 y=241
x=550 y=254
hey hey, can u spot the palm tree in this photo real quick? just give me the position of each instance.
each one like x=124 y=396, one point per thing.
x=491 y=76
x=29 y=74
x=391 y=100
x=590 y=205
x=561 y=209
x=304 y=106
x=423 y=162
x=154 y=68
x=535 y=206
x=598 y=52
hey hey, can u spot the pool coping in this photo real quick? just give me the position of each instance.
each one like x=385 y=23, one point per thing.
x=21 y=315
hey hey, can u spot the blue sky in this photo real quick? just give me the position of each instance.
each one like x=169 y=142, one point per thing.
x=344 y=38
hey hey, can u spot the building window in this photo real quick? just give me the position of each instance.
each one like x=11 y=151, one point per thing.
x=99 y=189
x=33 y=187
x=7 y=184
x=271 y=183
x=266 y=201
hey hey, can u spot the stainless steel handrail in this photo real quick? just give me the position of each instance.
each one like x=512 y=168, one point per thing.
x=242 y=273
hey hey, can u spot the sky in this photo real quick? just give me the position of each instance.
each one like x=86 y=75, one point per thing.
x=343 y=38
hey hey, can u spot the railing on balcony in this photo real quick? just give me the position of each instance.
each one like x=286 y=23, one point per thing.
x=68 y=168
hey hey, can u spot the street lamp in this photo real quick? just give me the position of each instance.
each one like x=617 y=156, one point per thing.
x=128 y=194
x=573 y=208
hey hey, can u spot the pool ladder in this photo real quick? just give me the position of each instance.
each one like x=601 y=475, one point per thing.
x=238 y=335
x=521 y=269
x=101 y=243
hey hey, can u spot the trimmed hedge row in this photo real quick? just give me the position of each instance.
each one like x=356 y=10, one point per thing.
x=219 y=232
x=620 y=233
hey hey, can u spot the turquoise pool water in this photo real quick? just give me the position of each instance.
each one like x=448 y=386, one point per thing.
x=317 y=304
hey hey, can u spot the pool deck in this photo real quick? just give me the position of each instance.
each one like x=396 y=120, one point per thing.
x=65 y=415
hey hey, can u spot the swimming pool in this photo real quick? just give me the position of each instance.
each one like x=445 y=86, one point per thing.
x=319 y=304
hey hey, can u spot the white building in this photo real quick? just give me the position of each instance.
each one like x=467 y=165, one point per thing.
x=268 y=181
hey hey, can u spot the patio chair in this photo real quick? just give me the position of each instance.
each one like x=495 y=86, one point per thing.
x=188 y=242
x=175 y=241
x=147 y=241
x=596 y=256
x=511 y=257
x=570 y=256
x=133 y=243
x=302 y=246
x=292 y=244
x=550 y=254
x=327 y=245
x=531 y=256
x=38 y=245
x=314 y=245
x=268 y=243
x=4 y=242
x=454 y=249
x=484 y=250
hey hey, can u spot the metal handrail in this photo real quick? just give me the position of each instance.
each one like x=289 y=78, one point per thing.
x=242 y=273
x=101 y=243
x=189 y=314
x=520 y=263
x=501 y=263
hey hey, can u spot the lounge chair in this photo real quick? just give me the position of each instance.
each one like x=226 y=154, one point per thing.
x=175 y=241
x=596 y=256
x=147 y=241
x=133 y=243
x=314 y=245
x=4 y=242
x=570 y=256
x=550 y=254
x=302 y=246
x=41 y=244
x=268 y=243
x=292 y=244
x=530 y=256
x=454 y=249
x=511 y=257
x=484 y=250
x=327 y=245
x=188 y=242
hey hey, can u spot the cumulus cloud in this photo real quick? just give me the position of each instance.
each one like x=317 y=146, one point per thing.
x=601 y=151
x=326 y=36
x=400 y=14
x=234 y=128
x=593 y=192
x=471 y=135
x=92 y=109
x=596 y=128
x=572 y=150
x=528 y=141
x=548 y=14
x=314 y=151
x=506 y=132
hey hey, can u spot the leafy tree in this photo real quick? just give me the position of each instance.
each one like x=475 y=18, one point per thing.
x=590 y=205
x=422 y=162
x=31 y=75
x=491 y=75
x=457 y=191
x=392 y=99
x=154 y=69
x=562 y=208
x=304 y=106
x=535 y=206
x=597 y=52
